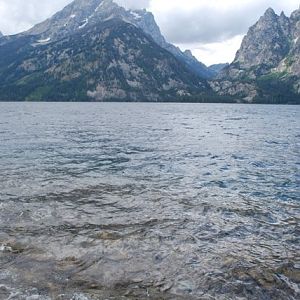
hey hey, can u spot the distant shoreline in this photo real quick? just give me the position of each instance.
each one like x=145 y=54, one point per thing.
x=152 y=102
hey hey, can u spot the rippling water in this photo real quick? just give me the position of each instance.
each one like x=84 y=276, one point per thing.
x=149 y=201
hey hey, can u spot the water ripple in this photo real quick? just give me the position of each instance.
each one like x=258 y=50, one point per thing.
x=149 y=201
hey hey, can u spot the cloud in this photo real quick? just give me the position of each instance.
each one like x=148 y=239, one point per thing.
x=209 y=21
x=134 y=4
x=211 y=28
x=19 y=15
x=217 y=52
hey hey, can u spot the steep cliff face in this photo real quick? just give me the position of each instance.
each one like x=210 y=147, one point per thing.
x=267 y=63
x=291 y=63
x=191 y=61
x=147 y=23
x=265 y=45
x=111 y=60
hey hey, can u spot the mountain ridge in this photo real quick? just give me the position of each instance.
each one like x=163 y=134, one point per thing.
x=267 y=63
x=65 y=58
x=112 y=60
x=81 y=13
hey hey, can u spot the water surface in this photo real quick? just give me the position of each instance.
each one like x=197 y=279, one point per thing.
x=149 y=201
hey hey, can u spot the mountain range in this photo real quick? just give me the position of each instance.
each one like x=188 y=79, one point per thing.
x=96 y=50
x=267 y=65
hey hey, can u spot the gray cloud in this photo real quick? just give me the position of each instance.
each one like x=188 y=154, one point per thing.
x=133 y=4
x=182 y=21
x=208 y=23
x=18 y=15
x=211 y=25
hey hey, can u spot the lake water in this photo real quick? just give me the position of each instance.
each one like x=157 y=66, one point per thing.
x=149 y=201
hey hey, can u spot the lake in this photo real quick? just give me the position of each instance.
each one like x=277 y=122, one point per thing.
x=149 y=201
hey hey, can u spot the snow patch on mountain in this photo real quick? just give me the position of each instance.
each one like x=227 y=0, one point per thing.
x=99 y=6
x=44 y=41
x=86 y=21
x=135 y=15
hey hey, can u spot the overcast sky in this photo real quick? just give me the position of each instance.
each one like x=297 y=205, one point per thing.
x=212 y=29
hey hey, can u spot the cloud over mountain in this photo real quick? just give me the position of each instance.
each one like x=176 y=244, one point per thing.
x=134 y=4
x=211 y=21
x=191 y=24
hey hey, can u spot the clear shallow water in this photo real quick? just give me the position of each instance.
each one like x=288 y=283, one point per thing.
x=149 y=201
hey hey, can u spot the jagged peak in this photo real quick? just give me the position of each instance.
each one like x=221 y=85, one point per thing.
x=82 y=14
x=108 y=3
x=270 y=13
x=88 y=2
x=296 y=14
x=143 y=10
x=282 y=15
x=189 y=53
x=142 y=13
x=99 y=4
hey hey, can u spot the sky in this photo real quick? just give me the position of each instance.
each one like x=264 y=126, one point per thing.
x=212 y=29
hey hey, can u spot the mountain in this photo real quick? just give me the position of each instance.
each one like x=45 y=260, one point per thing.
x=95 y=50
x=1 y=34
x=81 y=13
x=197 y=67
x=147 y=22
x=217 y=68
x=107 y=59
x=267 y=65
x=264 y=47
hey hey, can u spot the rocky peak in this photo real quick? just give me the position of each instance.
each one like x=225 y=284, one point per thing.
x=269 y=18
x=295 y=21
x=268 y=59
x=296 y=14
x=269 y=14
x=284 y=23
x=283 y=18
x=1 y=34
x=266 y=43
x=189 y=54
x=112 y=60
x=81 y=14
x=146 y=21
x=74 y=17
